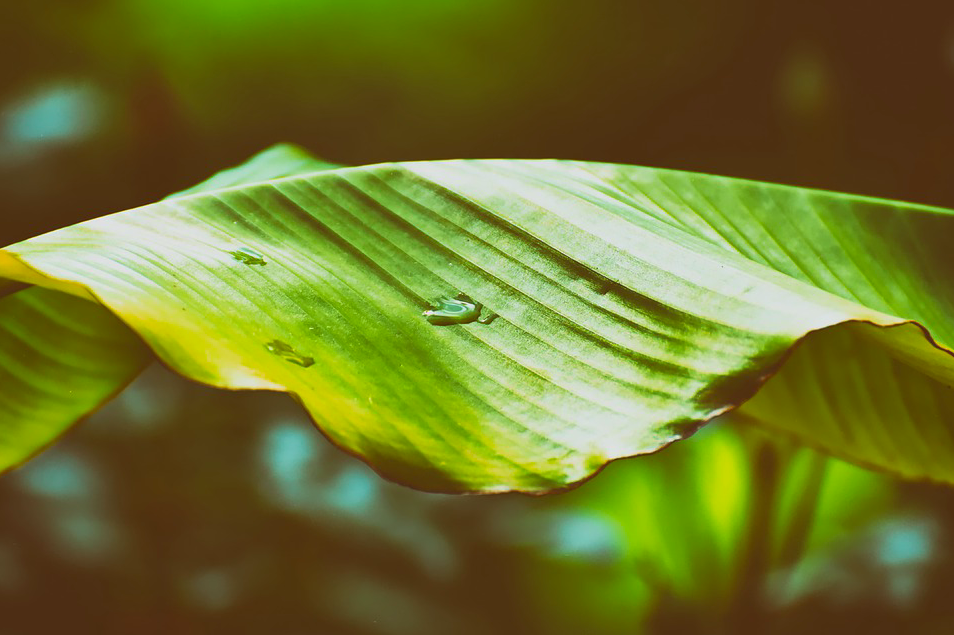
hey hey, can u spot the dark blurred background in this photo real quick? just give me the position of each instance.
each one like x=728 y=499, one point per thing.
x=179 y=509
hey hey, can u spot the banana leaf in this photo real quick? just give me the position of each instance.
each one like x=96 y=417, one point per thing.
x=498 y=325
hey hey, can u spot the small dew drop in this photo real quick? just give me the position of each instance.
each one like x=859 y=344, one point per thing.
x=249 y=256
x=289 y=354
x=461 y=309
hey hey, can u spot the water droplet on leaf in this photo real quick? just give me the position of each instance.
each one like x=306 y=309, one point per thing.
x=289 y=354
x=461 y=309
x=249 y=256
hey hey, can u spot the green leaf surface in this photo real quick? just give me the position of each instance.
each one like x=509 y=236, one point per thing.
x=61 y=356
x=632 y=305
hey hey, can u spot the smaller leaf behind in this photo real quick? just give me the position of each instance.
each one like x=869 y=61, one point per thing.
x=62 y=356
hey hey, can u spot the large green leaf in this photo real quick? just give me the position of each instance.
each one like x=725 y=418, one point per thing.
x=61 y=357
x=633 y=305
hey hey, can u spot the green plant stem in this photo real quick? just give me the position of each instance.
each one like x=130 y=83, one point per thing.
x=748 y=612
x=803 y=516
x=9 y=287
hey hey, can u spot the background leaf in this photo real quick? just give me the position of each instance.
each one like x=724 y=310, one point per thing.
x=61 y=356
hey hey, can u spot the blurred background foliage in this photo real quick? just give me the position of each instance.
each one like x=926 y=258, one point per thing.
x=180 y=509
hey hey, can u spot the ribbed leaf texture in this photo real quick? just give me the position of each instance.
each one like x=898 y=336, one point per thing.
x=590 y=312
